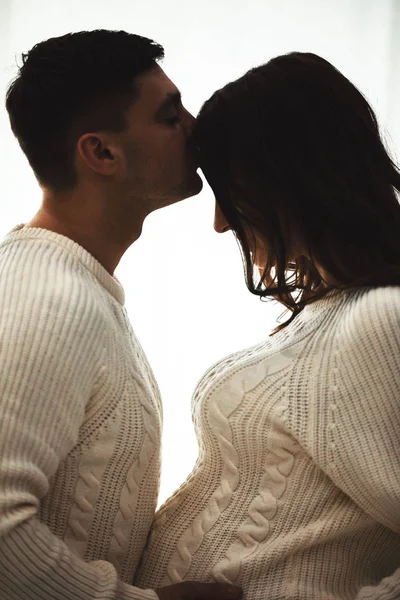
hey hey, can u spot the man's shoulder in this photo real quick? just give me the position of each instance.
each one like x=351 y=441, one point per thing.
x=40 y=278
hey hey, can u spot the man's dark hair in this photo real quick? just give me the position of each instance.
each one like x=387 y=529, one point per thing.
x=69 y=85
x=293 y=149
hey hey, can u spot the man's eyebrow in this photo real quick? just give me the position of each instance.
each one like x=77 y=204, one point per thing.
x=172 y=98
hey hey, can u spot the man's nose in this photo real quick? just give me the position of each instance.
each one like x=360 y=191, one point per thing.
x=190 y=122
x=220 y=223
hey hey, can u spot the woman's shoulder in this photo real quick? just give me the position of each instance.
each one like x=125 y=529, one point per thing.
x=368 y=346
x=372 y=316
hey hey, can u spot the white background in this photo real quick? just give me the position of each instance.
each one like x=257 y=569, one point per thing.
x=184 y=283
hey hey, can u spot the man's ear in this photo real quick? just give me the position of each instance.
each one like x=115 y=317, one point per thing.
x=98 y=153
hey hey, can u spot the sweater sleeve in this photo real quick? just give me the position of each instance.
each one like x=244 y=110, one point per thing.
x=363 y=449
x=51 y=339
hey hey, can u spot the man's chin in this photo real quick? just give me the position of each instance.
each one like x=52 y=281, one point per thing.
x=191 y=187
x=194 y=186
x=186 y=190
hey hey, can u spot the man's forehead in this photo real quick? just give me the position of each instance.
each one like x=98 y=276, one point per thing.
x=155 y=87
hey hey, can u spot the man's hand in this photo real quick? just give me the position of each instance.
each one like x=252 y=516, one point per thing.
x=193 y=590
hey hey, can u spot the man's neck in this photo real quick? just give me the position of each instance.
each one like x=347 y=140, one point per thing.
x=105 y=237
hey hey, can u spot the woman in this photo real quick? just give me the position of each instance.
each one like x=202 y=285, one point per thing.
x=296 y=492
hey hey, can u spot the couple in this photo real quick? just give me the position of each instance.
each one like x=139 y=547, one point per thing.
x=296 y=492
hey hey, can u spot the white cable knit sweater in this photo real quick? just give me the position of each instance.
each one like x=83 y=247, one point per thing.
x=80 y=419
x=296 y=492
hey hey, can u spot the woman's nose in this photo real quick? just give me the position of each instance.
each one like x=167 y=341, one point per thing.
x=220 y=223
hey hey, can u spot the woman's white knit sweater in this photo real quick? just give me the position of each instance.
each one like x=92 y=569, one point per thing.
x=296 y=492
x=80 y=421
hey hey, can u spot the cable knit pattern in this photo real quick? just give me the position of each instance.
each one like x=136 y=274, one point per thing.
x=219 y=423
x=263 y=508
x=296 y=491
x=130 y=510
x=205 y=383
x=80 y=427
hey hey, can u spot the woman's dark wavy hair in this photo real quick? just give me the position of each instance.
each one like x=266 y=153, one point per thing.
x=70 y=85
x=292 y=150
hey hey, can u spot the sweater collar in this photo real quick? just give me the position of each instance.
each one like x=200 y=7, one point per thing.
x=109 y=282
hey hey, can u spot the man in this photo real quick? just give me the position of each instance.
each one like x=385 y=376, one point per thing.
x=106 y=134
